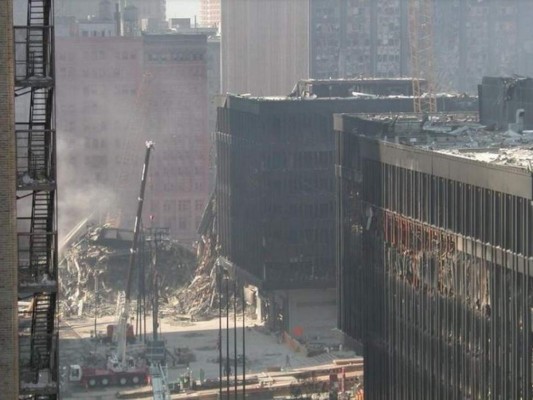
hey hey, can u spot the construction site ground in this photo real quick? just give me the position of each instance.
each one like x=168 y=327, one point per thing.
x=264 y=350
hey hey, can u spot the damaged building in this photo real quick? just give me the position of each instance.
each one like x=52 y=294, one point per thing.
x=275 y=192
x=434 y=255
x=94 y=269
x=500 y=98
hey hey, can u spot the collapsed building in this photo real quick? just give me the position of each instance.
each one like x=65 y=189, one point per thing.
x=275 y=197
x=434 y=255
x=94 y=269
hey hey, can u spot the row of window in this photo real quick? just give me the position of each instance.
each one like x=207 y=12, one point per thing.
x=492 y=217
x=177 y=56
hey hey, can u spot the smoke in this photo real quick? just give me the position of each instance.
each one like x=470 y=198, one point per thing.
x=80 y=195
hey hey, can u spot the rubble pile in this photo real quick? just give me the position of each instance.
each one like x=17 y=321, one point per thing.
x=199 y=300
x=94 y=268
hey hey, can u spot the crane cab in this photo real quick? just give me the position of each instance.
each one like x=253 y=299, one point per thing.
x=74 y=374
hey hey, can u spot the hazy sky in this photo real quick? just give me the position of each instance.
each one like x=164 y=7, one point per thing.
x=183 y=8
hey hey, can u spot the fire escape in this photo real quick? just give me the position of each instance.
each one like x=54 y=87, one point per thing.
x=36 y=202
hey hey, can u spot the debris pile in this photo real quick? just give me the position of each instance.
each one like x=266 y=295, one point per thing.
x=94 y=268
x=199 y=300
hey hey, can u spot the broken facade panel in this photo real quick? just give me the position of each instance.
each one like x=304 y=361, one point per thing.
x=434 y=269
x=275 y=183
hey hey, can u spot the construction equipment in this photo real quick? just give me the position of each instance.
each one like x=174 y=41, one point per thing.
x=120 y=369
x=422 y=58
x=111 y=334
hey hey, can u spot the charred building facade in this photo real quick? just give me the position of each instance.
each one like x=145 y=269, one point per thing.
x=275 y=192
x=500 y=98
x=434 y=256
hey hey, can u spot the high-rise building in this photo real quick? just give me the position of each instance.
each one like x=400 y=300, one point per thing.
x=268 y=45
x=176 y=69
x=152 y=13
x=352 y=38
x=96 y=76
x=275 y=191
x=265 y=45
x=153 y=87
x=475 y=38
x=434 y=256
x=210 y=13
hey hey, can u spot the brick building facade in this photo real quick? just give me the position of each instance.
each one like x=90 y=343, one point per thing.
x=210 y=13
x=9 y=378
x=115 y=93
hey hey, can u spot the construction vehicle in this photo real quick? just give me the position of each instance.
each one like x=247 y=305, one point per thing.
x=120 y=369
x=92 y=377
x=110 y=334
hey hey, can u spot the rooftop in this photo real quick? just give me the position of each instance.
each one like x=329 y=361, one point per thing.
x=456 y=134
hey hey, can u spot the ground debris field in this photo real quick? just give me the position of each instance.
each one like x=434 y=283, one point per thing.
x=94 y=268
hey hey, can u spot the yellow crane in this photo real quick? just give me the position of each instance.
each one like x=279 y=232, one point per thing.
x=422 y=58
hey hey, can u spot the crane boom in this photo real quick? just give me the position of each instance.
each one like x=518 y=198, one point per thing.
x=124 y=312
x=422 y=58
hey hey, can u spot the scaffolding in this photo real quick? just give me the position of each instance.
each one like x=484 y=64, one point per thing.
x=36 y=200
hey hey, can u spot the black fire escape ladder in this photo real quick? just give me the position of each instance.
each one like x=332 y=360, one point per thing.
x=37 y=244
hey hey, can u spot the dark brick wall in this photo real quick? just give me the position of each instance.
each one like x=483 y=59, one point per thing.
x=8 y=239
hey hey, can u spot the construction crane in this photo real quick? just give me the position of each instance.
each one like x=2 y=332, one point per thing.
x=120 y=370
x=124 y=312
x=422 y=58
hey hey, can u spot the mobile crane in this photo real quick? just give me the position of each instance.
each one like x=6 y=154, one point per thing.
x=120 y=369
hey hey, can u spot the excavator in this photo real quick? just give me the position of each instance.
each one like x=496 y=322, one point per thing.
x=120 y=369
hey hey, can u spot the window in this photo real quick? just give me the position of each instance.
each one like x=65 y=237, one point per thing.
x=198 y=205
x=184 y=205
x=182 y=223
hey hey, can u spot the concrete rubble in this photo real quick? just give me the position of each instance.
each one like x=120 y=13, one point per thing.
x=199 y=300
x=102 y=254
x=188 y=287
